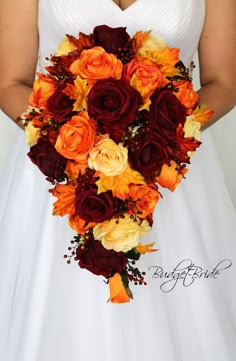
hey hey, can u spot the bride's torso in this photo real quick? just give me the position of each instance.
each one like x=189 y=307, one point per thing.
x=179 y=22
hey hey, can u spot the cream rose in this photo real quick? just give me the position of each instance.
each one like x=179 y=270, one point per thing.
x=65 y=47
x=122 y=236
x=192 y=128
x=108 y=157
x=153 y=42
x=32 y=134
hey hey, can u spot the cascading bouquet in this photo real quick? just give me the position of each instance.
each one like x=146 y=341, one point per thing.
x=113 y=118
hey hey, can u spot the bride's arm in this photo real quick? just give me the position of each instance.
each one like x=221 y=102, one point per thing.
x=18 y=49
x=217 y=56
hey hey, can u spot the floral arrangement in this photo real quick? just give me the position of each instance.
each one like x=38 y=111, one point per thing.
x=113 y=119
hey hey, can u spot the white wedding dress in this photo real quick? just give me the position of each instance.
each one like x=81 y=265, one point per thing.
x=51 y=311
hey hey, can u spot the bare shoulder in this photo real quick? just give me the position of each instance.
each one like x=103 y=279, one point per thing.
x=217 y=48
x=18 y=40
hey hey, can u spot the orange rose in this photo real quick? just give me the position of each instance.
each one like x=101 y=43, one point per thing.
x=145 y=77
x=95 y=64
x=118 y=293
x=43 y=88
x=148 y=197
x=66 y=199
x=76 y=138
x=171 y=175
x=79 y=225
x=186 y=94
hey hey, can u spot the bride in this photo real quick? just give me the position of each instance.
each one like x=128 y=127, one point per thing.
x=52 y=311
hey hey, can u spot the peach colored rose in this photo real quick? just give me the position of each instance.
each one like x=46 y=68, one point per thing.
x=171 y=175
x=118 y=293
x=108 y=157
x=122 y=236
x=43 y=88
x=95 y=64
x=148 y=197
x=145 y=77
x=76 y=138
x=65 y=47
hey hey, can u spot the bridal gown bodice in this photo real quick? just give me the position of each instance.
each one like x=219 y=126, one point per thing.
x=178 y=22
x=51 y=311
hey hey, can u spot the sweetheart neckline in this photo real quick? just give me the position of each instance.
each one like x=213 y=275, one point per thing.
x=126 y=9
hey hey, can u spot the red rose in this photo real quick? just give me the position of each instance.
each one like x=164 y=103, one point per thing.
x=148 y=153
x=93 y=207
x=50 y=163
x=60 y=105
x=166 y=111
x=111 y=39
x=99 y=260
x=114 y=104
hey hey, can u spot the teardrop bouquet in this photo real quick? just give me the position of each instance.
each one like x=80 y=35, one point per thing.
x=111 y=120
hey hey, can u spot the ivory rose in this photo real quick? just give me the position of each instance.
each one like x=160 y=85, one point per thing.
x=108 y=157
x=152 y=42
x=122 y=236
x=32 y=134
x=65 y=47
x=95 y=64
x=76 y=138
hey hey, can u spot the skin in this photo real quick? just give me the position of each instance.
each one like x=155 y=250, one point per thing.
x=19 y=48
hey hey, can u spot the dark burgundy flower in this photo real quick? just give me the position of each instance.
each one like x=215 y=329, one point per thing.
x=148 y=153
x=50 y=163
x=111 y=39
x=101 y=261
x=114 y=104
x=166 y=111
x=60 y=105
x=93 y=207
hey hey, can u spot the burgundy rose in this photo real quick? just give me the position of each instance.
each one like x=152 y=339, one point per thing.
x=166 y=111
x=50 y=163
x=60 y=105
x=114 y=104
x=101 y=261
x=148 y=153
x=111 y=39
x=93 y=207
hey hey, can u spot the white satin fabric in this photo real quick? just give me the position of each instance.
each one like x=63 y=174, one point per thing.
x=51 y=311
